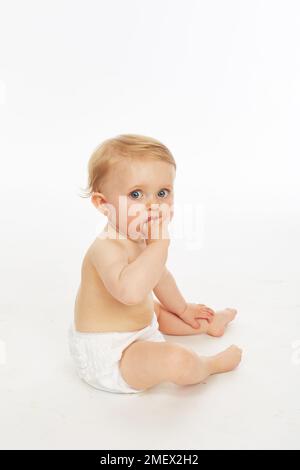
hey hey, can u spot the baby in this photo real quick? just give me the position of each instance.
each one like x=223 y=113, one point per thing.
x=116 y=338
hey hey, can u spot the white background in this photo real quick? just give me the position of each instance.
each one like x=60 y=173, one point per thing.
x=218 y=83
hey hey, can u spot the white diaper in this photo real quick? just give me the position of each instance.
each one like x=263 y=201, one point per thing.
x=97 y=355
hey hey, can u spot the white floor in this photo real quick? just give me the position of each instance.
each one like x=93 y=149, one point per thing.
x=250 y=263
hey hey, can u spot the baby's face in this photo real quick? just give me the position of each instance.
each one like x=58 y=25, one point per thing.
x=136 y=189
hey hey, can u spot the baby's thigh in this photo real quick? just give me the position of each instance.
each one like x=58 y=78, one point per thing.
x=147 y=363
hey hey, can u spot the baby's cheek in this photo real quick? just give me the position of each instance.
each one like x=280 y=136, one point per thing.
x=133 y=225
x=168 y=212
x=137 y=213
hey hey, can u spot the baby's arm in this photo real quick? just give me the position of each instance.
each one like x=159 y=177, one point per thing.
x=129 y=283
x=172 y=301
x=169 y=295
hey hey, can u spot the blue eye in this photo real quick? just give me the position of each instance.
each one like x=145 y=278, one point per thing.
x=133 y=193
x=162 y=191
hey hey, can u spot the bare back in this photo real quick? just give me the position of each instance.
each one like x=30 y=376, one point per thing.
x=96 y=310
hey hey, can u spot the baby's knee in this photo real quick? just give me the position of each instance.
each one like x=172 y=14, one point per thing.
x=180 y=361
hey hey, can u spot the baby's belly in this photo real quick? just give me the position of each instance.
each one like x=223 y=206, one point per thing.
x=98 y=311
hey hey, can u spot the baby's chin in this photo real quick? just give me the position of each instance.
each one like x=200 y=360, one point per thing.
x=136 y=236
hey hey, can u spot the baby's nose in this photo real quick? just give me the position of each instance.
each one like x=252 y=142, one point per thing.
x=152 y=204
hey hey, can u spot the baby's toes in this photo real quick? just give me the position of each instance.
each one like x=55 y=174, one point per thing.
x=231 y=312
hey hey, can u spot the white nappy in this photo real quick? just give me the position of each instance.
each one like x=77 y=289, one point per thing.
x=97 y=355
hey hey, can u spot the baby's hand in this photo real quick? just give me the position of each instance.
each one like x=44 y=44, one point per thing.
x=156 y=229
x=195 y=311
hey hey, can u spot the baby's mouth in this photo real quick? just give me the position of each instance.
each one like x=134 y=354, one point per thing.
x=153 y=217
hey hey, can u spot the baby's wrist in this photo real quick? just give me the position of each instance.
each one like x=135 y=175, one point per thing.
x=183 y=310
x=166 y=241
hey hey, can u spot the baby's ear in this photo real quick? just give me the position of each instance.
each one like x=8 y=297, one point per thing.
x=99 y=201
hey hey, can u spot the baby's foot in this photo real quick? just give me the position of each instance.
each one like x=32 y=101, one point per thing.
x=220 y=321
x=226 y=360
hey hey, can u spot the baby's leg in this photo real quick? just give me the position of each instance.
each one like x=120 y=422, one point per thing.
x=171 y=324
x=147 y=363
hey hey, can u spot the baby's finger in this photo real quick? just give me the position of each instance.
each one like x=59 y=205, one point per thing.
x=209 y=319
x=207 y=310
x=212 y=312
x=205 y=307
x=203 y=315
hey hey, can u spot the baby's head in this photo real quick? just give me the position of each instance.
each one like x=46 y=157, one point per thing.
x=128 y=176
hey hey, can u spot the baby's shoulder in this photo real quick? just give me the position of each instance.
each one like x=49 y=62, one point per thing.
x=106 y=248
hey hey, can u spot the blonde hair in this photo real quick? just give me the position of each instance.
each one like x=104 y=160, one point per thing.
x=115 y=149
